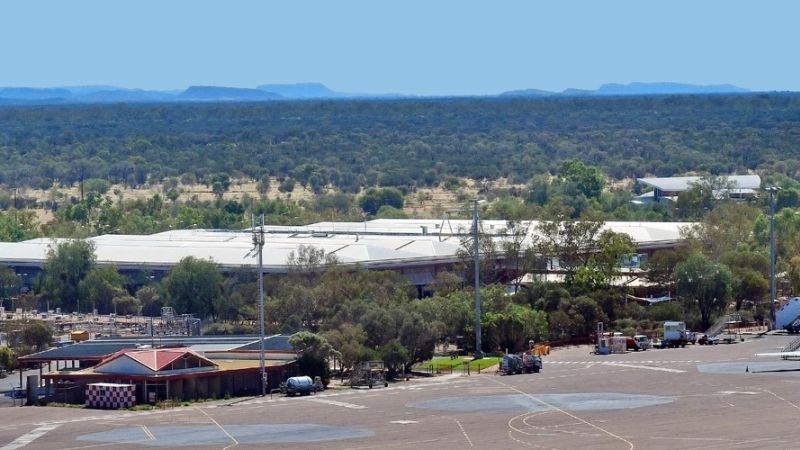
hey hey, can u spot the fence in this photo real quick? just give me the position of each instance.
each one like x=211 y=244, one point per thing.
x=465 y=368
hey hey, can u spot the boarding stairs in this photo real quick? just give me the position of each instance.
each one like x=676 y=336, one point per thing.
x=720 y=324
x=792 y=346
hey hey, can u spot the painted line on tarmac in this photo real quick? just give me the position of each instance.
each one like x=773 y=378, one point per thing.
x=148 y=433
x=336 y=403
x=464 y=432
x=637 y=366
x=782 y=399
x=636 y=361
x=224 y=431
x=567 y=413
x=29 y=437
x=399 y=444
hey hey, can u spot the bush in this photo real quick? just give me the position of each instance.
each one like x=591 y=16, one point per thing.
x=228 y=329
x=8 y=360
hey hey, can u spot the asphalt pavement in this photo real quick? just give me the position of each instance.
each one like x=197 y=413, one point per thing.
x=688 y=398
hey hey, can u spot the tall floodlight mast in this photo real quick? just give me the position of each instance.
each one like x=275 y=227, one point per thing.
x=773 y=190
x=258 y=246
x=476 y=249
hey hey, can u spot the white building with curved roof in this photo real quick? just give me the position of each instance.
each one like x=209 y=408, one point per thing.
x=418 y=248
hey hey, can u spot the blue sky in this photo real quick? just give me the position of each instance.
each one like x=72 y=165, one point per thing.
x=432 y=47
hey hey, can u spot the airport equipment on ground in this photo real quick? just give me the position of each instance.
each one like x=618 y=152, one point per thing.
x=526 y=362
x=297 y=386
x=79 y=335
x=369 y=373
x=675 y=334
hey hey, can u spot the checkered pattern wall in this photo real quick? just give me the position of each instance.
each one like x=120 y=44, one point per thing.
x=110 y=396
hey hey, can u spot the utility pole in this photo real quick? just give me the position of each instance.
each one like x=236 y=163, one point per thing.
x=772 y=256
x=258 y=243
x=476 y=244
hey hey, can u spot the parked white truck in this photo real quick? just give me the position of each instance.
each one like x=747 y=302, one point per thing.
x=675 y=334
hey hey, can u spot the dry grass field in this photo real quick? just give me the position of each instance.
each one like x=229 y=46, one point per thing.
x=422 y=203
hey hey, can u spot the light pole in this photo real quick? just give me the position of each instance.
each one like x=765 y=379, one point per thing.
x=772 y=256
x=476 y=245
x=258 y=242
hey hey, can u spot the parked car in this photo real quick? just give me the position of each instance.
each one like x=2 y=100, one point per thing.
x=299 y=386
x=642 y=341
x=706 y=340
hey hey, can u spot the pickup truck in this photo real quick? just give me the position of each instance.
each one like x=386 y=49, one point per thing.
x=642 y=341
x=636 y=344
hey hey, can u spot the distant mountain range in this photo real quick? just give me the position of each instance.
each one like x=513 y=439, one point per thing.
x=614 y=89
x=306 y=91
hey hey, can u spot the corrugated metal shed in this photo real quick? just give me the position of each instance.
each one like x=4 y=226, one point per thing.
x=99 y=349
x=84 y=351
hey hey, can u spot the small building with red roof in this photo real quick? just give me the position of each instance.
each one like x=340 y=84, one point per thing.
x=155 y=362
x=176 y=373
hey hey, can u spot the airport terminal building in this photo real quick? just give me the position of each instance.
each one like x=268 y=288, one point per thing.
x=417 y=248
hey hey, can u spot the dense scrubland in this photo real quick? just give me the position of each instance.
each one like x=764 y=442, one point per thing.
x=564 y=161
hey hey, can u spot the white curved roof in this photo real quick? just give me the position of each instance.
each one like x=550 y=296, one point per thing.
x=382 y=243
x=680 y=184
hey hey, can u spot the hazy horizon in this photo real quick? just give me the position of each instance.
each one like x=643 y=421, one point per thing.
x=411 y=48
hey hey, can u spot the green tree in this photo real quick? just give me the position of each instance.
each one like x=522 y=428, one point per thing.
x=316 y=352
x=287 y=185
x=729 y=225
x=67 y=264
x=794 y=274
x=150 y=300
x=575 y=317
x=348 y=339
x=374 y=198
x=220 y=184
x=660 y=267
x=708 y=284
x=96 y=185
x=8 y=360
x=390 y=212
x=589 y=180
x=446 y=283
x=263 y=185
x=569 y=241
x=702 y=196
x=612 y=249
x=18 y=226
x=99 y=288
x=512 y=327
x=519 y=258
x=126 y=304
x=749 y=270
x=37 y=334
x=9 y=284
x=394 y=354
x=194 y=286
x=417 y=336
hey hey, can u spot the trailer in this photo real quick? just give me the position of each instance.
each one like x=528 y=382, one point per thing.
x=675 y=335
